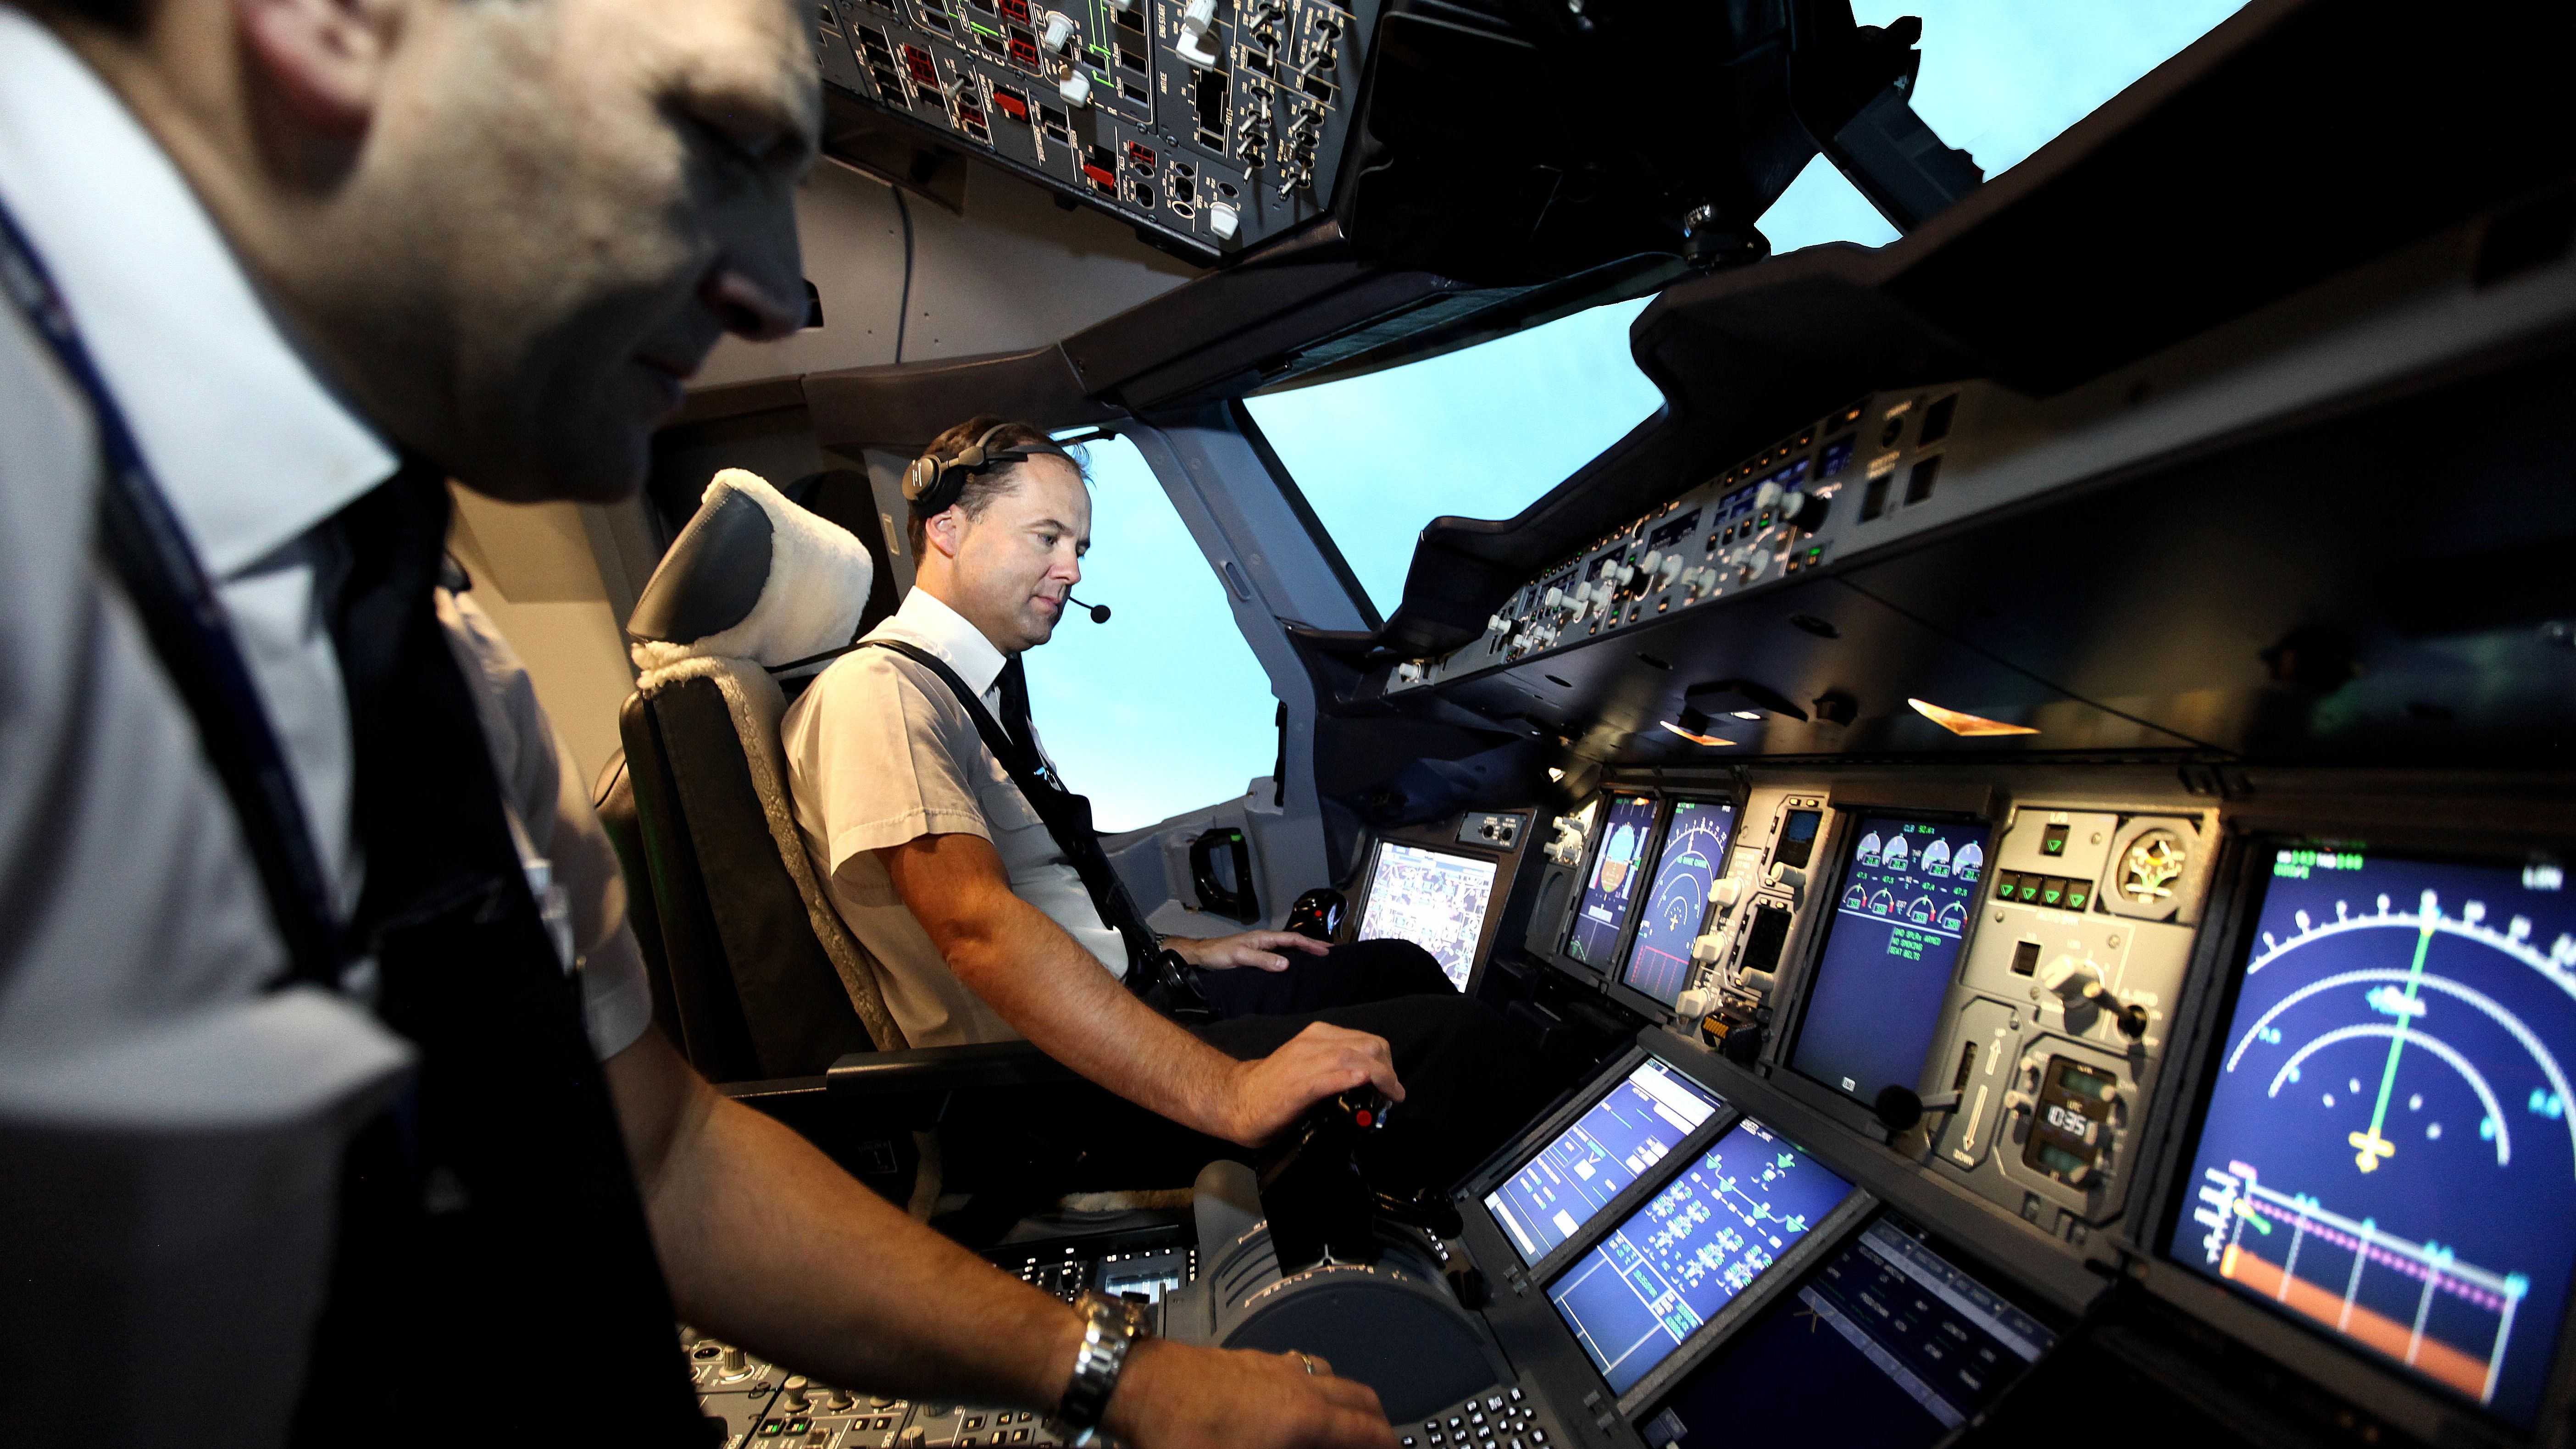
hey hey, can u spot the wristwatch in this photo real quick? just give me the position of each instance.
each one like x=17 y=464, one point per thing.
x=1110 y=1327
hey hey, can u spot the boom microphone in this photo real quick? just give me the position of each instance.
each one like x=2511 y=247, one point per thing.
x=1099 y=612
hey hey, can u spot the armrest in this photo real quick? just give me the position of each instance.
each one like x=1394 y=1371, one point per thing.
x=983 y=1066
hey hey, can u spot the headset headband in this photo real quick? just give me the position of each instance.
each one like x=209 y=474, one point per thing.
x=933 y=484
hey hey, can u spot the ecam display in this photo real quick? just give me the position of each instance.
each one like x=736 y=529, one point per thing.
x=1900 y=913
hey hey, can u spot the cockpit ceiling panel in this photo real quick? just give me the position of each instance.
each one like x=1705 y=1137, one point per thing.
x=1209 y=127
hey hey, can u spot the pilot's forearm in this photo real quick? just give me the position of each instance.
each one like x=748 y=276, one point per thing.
x=1052 y=991
x=766 y=1243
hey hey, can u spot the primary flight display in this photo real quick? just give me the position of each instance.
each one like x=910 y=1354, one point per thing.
x=1603 y=912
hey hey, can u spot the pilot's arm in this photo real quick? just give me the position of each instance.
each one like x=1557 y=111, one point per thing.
x=768 y=1244
x=1051 y=989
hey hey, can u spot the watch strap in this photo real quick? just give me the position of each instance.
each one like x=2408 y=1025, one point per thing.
x=1110 y=1327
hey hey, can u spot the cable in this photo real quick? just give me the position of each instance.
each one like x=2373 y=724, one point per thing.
x=904 y=315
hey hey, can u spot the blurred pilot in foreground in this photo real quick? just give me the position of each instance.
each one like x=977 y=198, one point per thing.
x=328 y=1098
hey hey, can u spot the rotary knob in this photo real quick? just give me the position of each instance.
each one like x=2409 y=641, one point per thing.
x=1059 y=29
x=1075 y=87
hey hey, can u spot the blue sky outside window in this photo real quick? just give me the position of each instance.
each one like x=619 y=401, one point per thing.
x=1483 y=432
x=1163 y=709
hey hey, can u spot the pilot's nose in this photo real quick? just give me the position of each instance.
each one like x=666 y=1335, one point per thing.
x=750 y=309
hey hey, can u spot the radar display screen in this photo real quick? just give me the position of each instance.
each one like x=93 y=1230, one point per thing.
x=1647 y=1114
x=2388 y=1154
x=1890 y=1345
x=1693 y=852
x=1613 y=882
x=1888 y=953
x=1647 y=1286
x=1433 y=899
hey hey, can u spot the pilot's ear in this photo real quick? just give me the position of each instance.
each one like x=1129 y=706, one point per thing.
x=324 y=60
x=941 y=529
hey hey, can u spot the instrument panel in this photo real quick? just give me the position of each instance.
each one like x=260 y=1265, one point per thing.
x=1209 y=125
x=2090 y=1026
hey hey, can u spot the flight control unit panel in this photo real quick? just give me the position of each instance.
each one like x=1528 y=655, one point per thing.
x=1209 y=124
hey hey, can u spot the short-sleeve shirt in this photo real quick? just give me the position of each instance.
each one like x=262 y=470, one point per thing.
x=880 y=753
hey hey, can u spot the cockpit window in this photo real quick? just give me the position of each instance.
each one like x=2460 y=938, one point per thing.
x=1162 y=710
x=2000 y=80
x=1479 y=432
x=1483 y=432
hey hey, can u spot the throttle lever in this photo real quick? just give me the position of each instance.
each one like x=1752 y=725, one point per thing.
x=1318 y=1204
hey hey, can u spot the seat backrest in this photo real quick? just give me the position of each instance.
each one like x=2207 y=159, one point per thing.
x=764 y=980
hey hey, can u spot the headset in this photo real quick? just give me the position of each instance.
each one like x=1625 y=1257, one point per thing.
x=932 y=484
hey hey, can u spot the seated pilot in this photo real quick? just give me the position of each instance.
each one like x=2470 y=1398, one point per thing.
x=992 y=921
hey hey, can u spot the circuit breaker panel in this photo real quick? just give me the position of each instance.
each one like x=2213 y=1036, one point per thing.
x=1207 y=124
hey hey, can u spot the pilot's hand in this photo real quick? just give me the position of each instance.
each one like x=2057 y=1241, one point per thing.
x=1258 y=949
x=1174 y=1396
x=1271 y=1093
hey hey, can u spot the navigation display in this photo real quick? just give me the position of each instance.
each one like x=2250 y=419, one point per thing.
x=1676 y=899
x=1613 y=882
x=1888 y=953
x=1889 y=1346
x=2388 y=1155
x=1433 y=899
x=1646 y=1115
x=1642 y=1291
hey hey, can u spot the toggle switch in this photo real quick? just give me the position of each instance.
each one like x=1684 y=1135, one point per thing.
x=2072 y=978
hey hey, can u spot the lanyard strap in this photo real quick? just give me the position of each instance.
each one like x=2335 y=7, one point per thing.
x=185 y=619
x=1067 y=815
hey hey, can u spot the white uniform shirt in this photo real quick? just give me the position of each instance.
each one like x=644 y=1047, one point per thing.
x=879 y=752
x=135 y=939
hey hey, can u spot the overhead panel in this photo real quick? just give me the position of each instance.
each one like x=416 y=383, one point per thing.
x=1209 y=125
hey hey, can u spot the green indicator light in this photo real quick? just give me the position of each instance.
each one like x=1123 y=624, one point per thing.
x=2076 y=897
x=2051 y=896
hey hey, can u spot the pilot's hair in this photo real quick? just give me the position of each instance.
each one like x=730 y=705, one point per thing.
x=982 y=488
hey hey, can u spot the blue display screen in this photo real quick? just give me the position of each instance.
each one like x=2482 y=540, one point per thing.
x=1693 y=852
x=2388 y=1155
x=1889 y=1346
x=1644 y=1116
x=1648 y=1285
x=1889 y=952
x=1603 y=912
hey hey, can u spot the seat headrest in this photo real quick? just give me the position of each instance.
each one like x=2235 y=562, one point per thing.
x=753 y=577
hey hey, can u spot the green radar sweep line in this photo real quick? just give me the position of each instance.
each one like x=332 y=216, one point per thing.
x=2369 y=1147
